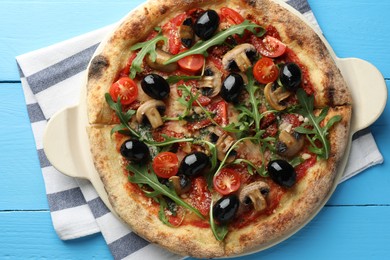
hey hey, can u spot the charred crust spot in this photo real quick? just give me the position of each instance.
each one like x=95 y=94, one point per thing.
x=251 y=2
x=330 y=94
x=300 y=42
x=98 y=64
x=136 y=27
x=163 y=9
x=330 y=90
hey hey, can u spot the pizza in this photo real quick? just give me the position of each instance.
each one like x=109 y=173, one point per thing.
x=216 y=127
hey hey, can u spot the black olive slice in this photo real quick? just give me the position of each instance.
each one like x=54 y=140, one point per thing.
x=135 y=151
x=194 y=164
x=206 y=25
x=225 y=209
x=282 y=172
x=290 y=76
x=232 y=87
x=155 y=86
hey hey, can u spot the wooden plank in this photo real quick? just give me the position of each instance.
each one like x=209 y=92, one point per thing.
x=29 y=235
x=342 y=232
x=20 y=174
x=13 y=107
x=53 y=21
x=356 y=29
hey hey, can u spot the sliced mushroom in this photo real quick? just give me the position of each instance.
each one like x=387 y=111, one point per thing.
x=158 y=64
x=255 y=194
x=180 y=183
x=239 y=56
x=223 y=145
x=151 y=110
x=276 y=96
x=289 y=144
x=211 y=82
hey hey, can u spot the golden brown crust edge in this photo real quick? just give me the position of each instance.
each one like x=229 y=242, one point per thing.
x=136 y=211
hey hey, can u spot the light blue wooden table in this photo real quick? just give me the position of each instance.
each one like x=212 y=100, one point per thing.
x=355 y=223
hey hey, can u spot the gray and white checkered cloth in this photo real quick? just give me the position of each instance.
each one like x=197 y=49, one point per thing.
x=51 y=79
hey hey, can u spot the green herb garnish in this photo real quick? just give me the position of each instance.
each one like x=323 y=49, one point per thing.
x=145 y=176
x=176 y=78
x=313 y=129
x=219 y=231
x=201 y=47
x=148 y=47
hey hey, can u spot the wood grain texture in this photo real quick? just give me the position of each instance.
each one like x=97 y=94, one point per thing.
x=353 y=225
x=29 y=235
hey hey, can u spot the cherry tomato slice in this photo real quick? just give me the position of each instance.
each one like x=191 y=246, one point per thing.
x=265 y=70
x=124 y=88
x=199 y=195
x=231 y=16
x=221 y=116
x=192 y=63
x=165 y=164
x=269 y=46
x=226 y=181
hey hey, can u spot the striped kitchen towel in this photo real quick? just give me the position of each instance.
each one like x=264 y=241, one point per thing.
x=51 y=79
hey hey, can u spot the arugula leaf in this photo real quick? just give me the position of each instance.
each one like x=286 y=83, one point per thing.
x=161 y=213
x=176 y=78
x=124 y=118
x=187 y=99
x=313 y=129
x=222 y=164
x=253 y=99
x=148 y=47
x=219 y=232
x=143 y=175
x=201 y=47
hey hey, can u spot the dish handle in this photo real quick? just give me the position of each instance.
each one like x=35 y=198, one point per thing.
x=63 y=141
x=369 y=93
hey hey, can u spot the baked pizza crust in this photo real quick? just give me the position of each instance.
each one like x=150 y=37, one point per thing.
x=295 y=209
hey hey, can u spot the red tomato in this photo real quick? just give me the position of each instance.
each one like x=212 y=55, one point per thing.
x=192 y=63
x=165 y=164
x=268 y=46
x=172 y=30
x=226 y=181
x=199 y=195
x=265 y=70
x=231 y=16
x=124 y=88
x=221 y=113
x=125 y=72
x=203 y=101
